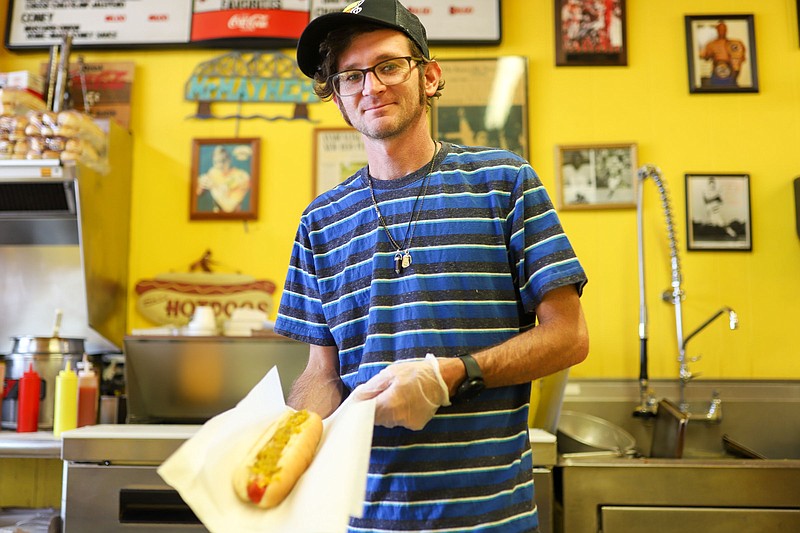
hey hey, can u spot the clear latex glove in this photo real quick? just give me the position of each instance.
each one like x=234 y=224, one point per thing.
x=407 y=393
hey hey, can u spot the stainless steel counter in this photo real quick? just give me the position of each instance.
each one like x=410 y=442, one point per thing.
x=38 y=445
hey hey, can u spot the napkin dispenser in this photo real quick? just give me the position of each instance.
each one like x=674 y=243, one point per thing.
x=188 y=380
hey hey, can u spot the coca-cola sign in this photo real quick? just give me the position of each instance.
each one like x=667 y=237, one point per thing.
x=248 y=22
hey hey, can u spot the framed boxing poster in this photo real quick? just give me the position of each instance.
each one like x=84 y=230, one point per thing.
x=486 y=104
x=590 y=33
x=721 y=54
x=224 y=179
x=338 y=154
x=718 y=212
x=596 y=176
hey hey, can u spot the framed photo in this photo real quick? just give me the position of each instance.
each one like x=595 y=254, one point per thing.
x=590 y=33
x=721 y=53
x=718 y=212
x=601 y=176
x=338 y=154
x=485 y=104
x=224 y=180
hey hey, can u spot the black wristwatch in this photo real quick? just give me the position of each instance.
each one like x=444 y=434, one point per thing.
x=473 y=384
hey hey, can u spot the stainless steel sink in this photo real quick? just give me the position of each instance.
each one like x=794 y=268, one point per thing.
x=708 y=489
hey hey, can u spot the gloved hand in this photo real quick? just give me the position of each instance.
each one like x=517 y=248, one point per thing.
x=407 y=393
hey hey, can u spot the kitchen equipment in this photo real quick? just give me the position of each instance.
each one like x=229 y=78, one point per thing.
x=111 y=483
x=669 y=431
x=583 y=433
x=187 y=380
x=47 y=356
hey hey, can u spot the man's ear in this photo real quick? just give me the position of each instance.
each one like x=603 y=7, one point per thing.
x=433 y=73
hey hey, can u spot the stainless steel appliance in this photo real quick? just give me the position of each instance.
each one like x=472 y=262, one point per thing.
x=111 y=484
x=174 y=379
x=64 y=236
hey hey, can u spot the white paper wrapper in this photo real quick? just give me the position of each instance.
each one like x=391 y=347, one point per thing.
x=330 y=491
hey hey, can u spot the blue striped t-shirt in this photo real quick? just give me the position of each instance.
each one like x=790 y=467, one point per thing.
x=486 y=245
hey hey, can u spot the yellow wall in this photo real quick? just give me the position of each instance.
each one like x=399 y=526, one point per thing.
x=646 y=102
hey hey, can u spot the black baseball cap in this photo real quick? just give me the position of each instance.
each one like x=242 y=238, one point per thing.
x=389 y=13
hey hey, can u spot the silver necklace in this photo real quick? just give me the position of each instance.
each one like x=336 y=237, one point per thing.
x=402 y=259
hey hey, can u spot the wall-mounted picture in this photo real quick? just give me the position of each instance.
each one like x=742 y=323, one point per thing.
x=338 y=154
x=590 y=33
x=601 y=176
x=224 y=181
x=721 y=54
x=718 y=212
x=485 y=103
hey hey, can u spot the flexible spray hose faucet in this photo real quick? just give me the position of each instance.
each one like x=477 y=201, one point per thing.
x=647 y=405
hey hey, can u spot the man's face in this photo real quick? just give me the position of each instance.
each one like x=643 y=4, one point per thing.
x=378 y=111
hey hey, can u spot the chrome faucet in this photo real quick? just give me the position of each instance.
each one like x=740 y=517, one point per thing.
x=675 y=295
x=714 y=410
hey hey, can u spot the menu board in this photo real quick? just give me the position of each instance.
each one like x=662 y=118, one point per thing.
x=135 y=23
x=40 y=24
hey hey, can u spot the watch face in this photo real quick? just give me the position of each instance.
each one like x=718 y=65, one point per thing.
x=470 y=388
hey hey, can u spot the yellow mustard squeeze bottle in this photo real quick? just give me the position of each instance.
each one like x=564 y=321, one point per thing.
x=66 y=401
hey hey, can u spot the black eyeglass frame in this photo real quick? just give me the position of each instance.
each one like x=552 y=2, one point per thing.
x=364 y=71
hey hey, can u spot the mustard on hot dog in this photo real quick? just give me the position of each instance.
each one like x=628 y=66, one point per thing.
x=279 y=457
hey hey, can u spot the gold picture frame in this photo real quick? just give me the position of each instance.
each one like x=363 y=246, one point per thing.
x=485 y=103
x=224 y=179
x=596 y=176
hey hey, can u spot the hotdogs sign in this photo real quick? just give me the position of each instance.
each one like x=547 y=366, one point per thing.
x=170 y=299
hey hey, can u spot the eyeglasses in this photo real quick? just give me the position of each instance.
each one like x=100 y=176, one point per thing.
x=390 y=72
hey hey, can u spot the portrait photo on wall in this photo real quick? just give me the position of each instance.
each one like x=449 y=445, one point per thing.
x=590 y=33
x=224 y=180
x=338 y=154
x=718 y=212
x=485 y=103
x=596 y=176
x=721 y=53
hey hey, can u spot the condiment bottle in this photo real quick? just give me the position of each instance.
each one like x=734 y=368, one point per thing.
x=87 y=394
x=66 y=402
x=30 y=386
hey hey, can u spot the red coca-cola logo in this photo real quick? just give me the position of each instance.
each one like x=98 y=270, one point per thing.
x=252 y=22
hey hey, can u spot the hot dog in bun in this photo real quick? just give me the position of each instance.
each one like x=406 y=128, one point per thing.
x=278 y=458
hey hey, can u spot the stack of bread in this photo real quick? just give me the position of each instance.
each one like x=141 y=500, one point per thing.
x=67 y=136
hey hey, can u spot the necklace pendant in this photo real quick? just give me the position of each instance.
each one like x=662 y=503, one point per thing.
x=406 y=259
x=398 y=259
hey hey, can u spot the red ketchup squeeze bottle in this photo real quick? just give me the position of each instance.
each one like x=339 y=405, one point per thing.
x=87 y=394
x=30 y=386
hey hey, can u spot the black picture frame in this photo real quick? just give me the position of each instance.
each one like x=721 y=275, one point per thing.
x=588 y=36
x=721 y=53
x=718 y=212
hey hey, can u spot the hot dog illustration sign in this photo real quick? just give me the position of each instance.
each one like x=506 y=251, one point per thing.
x=170 y=299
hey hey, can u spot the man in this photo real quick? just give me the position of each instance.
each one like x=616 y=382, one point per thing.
x=726 y=56
x=431 y=252
x=223 y=188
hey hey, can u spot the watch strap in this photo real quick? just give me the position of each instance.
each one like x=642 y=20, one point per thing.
x=471 y=366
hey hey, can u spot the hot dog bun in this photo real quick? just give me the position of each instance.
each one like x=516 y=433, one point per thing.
x=278 y=458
